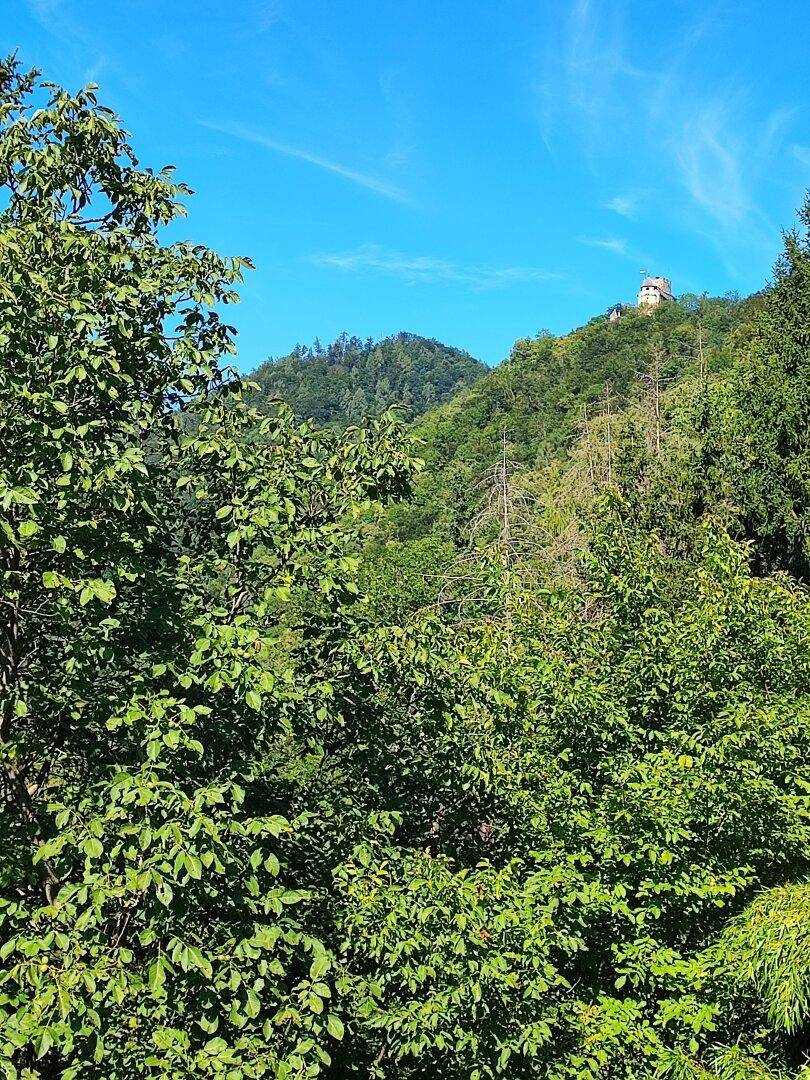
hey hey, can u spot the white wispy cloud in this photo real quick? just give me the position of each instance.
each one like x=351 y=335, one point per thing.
x=371 y=183
x=710 y=160
x=75 y=37
x=45 y=11
x=722 y=163
x=587 y=72
x=707 y=149
x=620 y=247
x=375 y=259
x=267 y=14
x=594 y=58
x=624 y=205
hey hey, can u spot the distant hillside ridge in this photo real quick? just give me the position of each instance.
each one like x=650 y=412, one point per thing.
x=351 y=380
x=537 y=400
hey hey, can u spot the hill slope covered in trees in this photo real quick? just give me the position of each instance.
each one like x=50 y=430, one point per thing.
x=352 y=380
x=536 y=403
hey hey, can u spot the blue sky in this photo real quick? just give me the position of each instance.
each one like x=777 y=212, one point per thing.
x=475 y=172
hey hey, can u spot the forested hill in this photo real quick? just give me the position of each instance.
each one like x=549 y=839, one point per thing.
x=535 y=403
x=352 y=380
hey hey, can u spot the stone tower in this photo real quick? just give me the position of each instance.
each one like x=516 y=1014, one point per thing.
x=654 y=290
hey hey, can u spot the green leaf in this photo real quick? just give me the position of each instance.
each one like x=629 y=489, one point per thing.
x=334 y=1025
x=215 y=1046
x=157 y=975
x=319 y=966
x=93 y=847
x=192 y=865
x=104 y=590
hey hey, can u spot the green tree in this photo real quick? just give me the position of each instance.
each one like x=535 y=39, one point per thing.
x=162 y=553
x=757 y=450
x=583 y=794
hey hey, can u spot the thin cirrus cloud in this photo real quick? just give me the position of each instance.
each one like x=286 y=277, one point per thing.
x=418 y=269
x=618 y=247
x=711 y=150
x=624 y=205
x=74 y=38
x=371 y=183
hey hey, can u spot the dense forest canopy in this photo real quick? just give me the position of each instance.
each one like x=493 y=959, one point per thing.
x=540 y=397
x=467 y=750
x=351 y=380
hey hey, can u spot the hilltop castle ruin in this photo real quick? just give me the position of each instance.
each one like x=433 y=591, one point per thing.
x=653 y=291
